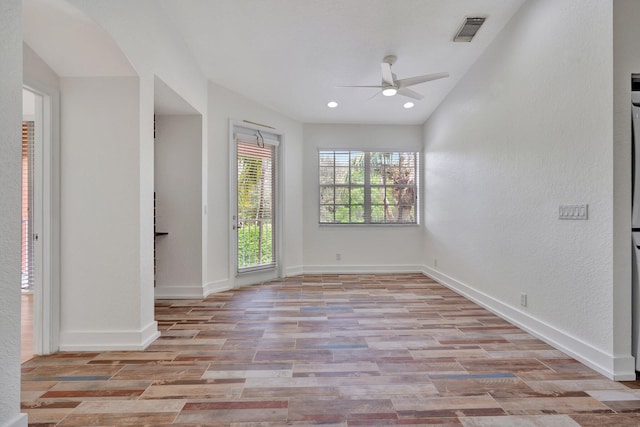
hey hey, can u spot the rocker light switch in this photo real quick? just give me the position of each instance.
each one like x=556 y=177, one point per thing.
x=573 y=211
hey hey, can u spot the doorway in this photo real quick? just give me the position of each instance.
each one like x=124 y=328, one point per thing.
x=39 y=263
x=255 y=205
x=30 y=253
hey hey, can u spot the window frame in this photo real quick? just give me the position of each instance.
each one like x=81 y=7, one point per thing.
x=272 y=136
x=367 y=185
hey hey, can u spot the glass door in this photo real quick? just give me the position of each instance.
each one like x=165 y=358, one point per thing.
x=254 y=238
x=255 y=194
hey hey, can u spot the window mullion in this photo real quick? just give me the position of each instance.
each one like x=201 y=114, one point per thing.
x=367 y=187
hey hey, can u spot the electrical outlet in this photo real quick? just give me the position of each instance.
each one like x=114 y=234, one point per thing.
x=523 y=300
x=435 y=262
x=338 y=257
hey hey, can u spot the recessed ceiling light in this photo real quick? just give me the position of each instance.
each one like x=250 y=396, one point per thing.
x=408 y=104
x=390 y=91
x=332 y=104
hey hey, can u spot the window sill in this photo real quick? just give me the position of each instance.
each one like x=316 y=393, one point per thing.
x=368 y=225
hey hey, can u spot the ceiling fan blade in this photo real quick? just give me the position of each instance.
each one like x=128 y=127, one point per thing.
x=387 y=76
x=409 y=93
x=374 y=95
x=374 y=87
x=420 y=79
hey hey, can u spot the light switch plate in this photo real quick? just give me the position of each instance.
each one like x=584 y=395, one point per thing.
x=573 y=212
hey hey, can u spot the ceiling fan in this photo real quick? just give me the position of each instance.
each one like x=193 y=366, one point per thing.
x=391 y=86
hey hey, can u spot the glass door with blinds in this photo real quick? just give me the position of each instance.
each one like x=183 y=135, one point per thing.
x=254 y=222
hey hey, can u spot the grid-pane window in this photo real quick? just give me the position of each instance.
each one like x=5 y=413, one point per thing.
x=368 y=187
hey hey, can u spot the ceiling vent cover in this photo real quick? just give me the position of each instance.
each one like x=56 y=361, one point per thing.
x=468 y=29
x=635 y=82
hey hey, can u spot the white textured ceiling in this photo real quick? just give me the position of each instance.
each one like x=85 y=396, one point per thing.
x=291 y=54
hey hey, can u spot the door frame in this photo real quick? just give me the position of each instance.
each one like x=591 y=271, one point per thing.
x=46 y=310
x=237 y=280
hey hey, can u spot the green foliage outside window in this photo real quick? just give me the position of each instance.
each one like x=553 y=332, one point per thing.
x=255 y=204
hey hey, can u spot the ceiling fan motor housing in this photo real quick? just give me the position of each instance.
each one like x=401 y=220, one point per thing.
x=390 y=59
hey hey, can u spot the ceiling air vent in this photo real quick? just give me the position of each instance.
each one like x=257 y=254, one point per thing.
x=468 y=29
x=635 y=82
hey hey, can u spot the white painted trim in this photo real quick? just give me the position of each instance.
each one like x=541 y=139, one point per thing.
x=233 y=202
x=361 y=269
x=296 y=270
x=192 y=292
x=204 y=200
x=179 y=292
x=217 y=286
x=109 y=340
x=617 y=368
x=17 y=421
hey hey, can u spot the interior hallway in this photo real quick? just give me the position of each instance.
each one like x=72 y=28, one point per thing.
x=340 y=350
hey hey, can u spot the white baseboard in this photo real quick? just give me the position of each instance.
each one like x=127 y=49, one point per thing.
x=179 y=292
x=191 y=292
x=100 y=340
x=361 y=269
x=621 y=368
x=294 y=271
x=17 y=421
x=217 y=286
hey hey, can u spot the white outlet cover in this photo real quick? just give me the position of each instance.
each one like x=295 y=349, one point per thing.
x=523 y=300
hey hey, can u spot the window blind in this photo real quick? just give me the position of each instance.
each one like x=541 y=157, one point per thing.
x=368 y=187
x=27 y=267
x=256 y=226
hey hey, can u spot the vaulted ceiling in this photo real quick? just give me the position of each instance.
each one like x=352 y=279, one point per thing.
x=291 y=55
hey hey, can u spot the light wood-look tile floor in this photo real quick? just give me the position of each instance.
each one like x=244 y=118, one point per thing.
x=26 y=332
x=334 y=350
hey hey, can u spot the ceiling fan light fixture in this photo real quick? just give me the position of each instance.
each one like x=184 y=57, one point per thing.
x=390 y=91
x=408 y=105
x=332 y=104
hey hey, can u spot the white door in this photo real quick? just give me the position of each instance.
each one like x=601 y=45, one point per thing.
x=255 y=211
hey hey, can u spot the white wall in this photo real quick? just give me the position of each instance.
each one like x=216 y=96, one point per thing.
x=154 y=48
x=362 y=248
x=100 y=221
x=528 y=129
x=10 y=172
x=178 y=188
x=37 y=71
x=223 y=106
